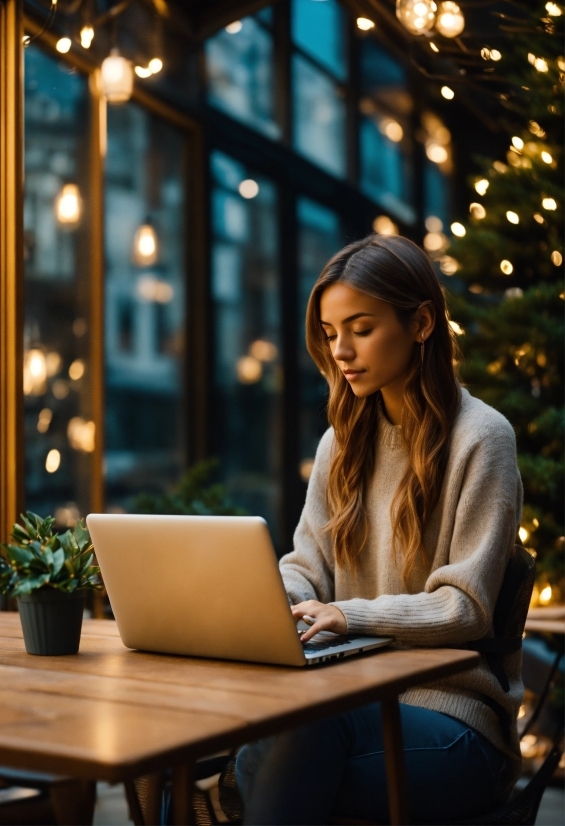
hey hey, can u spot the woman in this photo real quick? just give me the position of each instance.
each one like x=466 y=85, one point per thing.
x=410 y=518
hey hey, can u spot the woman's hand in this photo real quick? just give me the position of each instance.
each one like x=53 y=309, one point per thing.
x=328 y=618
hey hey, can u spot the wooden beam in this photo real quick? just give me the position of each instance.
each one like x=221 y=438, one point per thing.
x=11 y=264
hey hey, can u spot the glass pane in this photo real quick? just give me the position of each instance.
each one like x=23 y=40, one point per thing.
x=383 y=78
x=59 y=431
x=239 y=68
x=319 y=237
x=319 y=117
x=320 y=29
x=436 y=193
x=144 y=305
x=248 y=373
x=384 y=167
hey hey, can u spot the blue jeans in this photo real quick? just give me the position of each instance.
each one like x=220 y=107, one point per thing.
x=336 y=766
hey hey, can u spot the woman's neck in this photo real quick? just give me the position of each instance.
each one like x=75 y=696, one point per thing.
x=393 y=402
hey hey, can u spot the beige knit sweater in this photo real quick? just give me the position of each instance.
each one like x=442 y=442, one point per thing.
x=470 y=537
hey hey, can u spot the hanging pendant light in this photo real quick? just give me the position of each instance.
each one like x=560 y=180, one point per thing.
x=450 y=20
x=145 y=246
x=418 y=16
x=117 y=78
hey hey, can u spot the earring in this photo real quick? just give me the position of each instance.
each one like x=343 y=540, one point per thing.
x=422 y=352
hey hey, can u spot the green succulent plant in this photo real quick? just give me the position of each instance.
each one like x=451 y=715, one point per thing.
x=39 y=557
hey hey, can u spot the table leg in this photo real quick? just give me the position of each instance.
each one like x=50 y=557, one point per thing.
x=183 y=779
x=394 y=760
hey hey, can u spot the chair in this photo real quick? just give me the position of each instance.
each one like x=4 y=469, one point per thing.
x=34 y=797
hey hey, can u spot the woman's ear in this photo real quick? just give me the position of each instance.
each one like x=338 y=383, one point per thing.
x=426 y=321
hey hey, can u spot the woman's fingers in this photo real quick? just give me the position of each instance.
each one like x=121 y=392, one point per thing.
x=326 y=618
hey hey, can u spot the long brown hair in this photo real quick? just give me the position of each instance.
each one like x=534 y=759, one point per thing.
x=395 y=270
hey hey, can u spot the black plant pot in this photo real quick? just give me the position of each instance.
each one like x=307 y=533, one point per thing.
x=51 y=621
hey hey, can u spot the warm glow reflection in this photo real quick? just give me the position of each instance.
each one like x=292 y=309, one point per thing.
x=306 y=467
x=35 y=373
x=457 y=329
x=448 y=265
x=235 y=27
x=44 y=420
x=523 y=534
x=150 y=288
x=81 y=434
x=52 y=461
x=263 y=350
x=145 y=247
x=68 y=205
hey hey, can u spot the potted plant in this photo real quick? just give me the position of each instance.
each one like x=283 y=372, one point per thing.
x=48 y=573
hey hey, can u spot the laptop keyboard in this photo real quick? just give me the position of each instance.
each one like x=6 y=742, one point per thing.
x=323 y=646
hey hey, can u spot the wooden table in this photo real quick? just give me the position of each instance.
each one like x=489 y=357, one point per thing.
x=549 y=620
x=114 y=714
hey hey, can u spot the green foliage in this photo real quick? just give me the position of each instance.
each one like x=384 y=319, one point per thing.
x=193 y=496
x=39 y=558
x=513 y=342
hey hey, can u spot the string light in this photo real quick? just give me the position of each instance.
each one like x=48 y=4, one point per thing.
x=545 y=595
x=506 y=267
x=249 y=370
x=448 y=265
x=546 y=157
x=447 y=93
x=248 y=188
x=513 y=217
x=392 y=129
x=44 y=420
x=495 y=55
x=556 y=258
x=53 y=461
x=536 y=129
x=35 y=372
x=143 y=72
x=81 y=434
x=523 y=534
x=434 y=241
x=418 y=16
x=383 y=225
x=145 y=247
x=436 y=153
x=76 y=370
x=458 y=229
x=450 y=20
x=485 y=53
x=539 y=218
x=365 y=24
x=457 y=329
x=549 y=204
x=517 y=143
x=235 y=27
x=86 y=36
x=263 y=350
x=477 y=211
x=433 y=223
x=481 y=186
x=434 y=48
x=553 y=9
x=63 y=45
x=155 y=64
x=68 y=205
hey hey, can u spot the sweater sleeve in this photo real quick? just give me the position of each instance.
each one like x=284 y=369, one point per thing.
x=458 y=601
x=308 y=571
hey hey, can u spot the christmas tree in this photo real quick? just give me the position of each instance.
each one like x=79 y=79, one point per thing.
x=510 y=301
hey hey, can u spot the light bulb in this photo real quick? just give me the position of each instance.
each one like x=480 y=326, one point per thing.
x=448 y=265
x=485 y=53
x=392 y=129
x=546 y=157
x=513 y=217
x=549 y=204
x=450 y=20
x=434 y=48
x=418 y=16
x=545 y=595
x=81 y=434
x=76 y=370
x=506 y=267
x=86 y=36
x=155 y=64
x=35 y=372
x=556 y=258
x=523 y=534
x=477 y=210
x=248 y=188
x=433 y=223
x=447 y=93
x=383 y=225
x=541 y=64
x=434 y=241
x=63 y=45
x=539 y=219
x=517 y=143
x=365 y=24
x=458 y=229
x=68 y=205
x=263 y=350
x=553 y=9
x=436 y=153
x=481 y=186
x=117 y=78
x=52 y=461
x=235 y=27
x=145 y=247
x=143 y=72
x=495 y=54
x=249 y=370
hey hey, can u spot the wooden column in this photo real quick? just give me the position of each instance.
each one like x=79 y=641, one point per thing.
x=11 y=264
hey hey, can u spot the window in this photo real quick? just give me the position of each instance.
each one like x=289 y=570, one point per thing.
x=239 y=66
x=318 y=67
x=385 y=148
x=59 y=430
x=319 y=237
x=248 y=373
x=145 y=305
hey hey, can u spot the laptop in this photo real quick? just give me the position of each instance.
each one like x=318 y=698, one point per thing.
x=205 y=586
